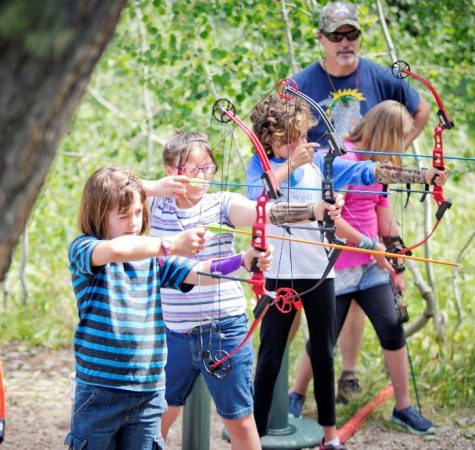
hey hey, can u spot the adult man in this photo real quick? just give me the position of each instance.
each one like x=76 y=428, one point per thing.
x=348 y=86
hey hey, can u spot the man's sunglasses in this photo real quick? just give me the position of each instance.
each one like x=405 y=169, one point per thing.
x=351 y=35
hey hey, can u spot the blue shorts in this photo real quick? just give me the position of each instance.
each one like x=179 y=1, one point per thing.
x=359 y=278
x=107 y=419
x=233 y=395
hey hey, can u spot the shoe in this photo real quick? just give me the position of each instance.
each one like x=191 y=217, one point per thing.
x=331 y=447
x=348 y=387
x=413 y=420
x=296 y=402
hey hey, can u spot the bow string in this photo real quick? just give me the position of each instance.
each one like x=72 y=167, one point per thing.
x=224 y=112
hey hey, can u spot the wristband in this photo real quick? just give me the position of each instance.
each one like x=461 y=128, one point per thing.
x=367 y=243
x=226 y=265
x=165 y=245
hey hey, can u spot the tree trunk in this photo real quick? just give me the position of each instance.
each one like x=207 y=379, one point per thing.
x=48 y=50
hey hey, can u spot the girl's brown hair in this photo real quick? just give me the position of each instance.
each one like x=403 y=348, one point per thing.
x=383 y=129
x=105 y=190
x=276 y=121
x=176 y=151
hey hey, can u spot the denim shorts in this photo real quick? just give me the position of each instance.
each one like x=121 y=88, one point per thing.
x=107 y=419
x=359 y=278
x=233 y=395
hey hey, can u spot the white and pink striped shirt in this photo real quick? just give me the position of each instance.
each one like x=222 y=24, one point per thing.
x=203 y=304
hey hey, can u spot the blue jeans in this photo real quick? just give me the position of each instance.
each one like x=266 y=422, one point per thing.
x=231 y=395
x=112 y=419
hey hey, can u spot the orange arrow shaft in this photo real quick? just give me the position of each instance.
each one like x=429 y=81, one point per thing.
x=341 y=247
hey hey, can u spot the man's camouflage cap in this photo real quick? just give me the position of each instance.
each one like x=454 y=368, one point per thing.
x=336 y=14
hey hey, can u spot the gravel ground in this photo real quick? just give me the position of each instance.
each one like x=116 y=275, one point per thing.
x=38 y=409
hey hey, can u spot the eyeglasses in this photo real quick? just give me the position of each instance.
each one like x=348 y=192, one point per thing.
x=192 y=169
x=336 y=36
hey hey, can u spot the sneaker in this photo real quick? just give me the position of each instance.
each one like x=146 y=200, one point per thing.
x=413 y=420
x=348 y=387
x=331 y=447
x=296 y=402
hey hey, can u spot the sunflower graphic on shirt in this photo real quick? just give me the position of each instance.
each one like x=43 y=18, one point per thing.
x=344 y=110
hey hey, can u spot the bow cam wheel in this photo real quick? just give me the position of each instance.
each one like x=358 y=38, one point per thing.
x=399 y=69
x=285 y=88
x=222 y=108
x=221 y=370
x=285 y=298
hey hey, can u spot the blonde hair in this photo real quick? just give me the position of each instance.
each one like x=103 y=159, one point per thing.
x=276 y=121
x=383 y=129
x=108 y=189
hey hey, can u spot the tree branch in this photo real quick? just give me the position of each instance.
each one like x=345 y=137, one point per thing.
x=288 y=36
x=118 y=113
x=455 y=277
x=147 y=98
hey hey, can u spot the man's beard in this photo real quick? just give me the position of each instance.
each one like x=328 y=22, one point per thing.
x=346 y=60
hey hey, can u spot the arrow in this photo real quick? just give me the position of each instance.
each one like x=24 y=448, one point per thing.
x=217 y=228
x=200 y=182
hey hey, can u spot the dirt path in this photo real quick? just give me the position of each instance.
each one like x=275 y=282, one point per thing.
x=38 y=409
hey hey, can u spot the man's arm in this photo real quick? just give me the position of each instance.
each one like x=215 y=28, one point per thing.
x=420 y=119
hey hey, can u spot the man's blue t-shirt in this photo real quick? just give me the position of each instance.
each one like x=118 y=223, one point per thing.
x=347 y=99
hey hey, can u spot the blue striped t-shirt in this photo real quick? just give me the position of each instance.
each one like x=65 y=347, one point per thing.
x=120 y=338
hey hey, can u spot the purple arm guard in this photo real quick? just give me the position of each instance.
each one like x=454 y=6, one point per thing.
x=224 y=266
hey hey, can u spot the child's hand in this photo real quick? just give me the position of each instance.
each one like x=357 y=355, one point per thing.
x=172 y=186
x=189 y=242
x=381 y=259
x=264 y=259
x=334 y=210
x=302 y=154
x=436 y=176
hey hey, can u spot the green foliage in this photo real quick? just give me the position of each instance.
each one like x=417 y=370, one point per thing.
x=179 y=57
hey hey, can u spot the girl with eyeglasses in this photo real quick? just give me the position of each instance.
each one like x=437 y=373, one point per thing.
x=210 y=318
